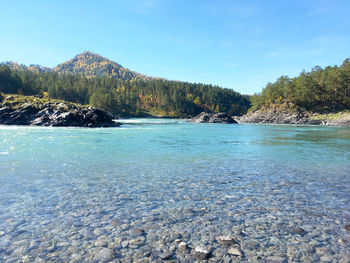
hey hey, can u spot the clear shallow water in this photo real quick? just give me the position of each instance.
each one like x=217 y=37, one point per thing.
x=67 y=192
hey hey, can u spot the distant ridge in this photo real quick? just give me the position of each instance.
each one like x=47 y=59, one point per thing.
x=88 y=64
x=35 y=68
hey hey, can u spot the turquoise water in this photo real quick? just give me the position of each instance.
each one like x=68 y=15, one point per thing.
x=56 y=183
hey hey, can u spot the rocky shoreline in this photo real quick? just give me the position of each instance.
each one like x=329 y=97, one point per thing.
x=288 y=113
x=26 y=110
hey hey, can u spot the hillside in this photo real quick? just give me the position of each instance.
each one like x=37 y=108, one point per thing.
x=153 y=97
x=321 y=90
x=93 y=65
x=88 y=64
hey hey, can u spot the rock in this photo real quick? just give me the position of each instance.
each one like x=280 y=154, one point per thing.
x=101 y=241
x=347 y=227
x=277 y=259
x=166 y=255
x=53 y=114
x=277 y=113
x=220 y=117
x=203 y=117
x=289 y=113
x=227 y=240
x=235 y=251
x=105 y=255
x=298 y=230
x=341 y=242
x=99 y=231
x=201 y=253
x=137 y=241
x=125 y=244
x=183 y=247
x=137 y=232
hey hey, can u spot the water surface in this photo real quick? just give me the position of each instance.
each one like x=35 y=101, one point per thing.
x=67 y=192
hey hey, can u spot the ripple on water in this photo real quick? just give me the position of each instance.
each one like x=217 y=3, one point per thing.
x=158 y=192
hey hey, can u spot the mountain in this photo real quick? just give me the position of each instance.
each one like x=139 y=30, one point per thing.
x=88 y=64
x=92 y=65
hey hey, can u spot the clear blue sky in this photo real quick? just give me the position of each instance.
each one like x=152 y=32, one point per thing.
x=234 y=44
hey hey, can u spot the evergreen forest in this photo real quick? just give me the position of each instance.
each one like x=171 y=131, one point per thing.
x=156 y=97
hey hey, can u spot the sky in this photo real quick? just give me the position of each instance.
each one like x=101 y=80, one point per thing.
x=241 y=45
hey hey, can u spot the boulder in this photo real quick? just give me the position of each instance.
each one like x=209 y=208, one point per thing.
x=220 y=117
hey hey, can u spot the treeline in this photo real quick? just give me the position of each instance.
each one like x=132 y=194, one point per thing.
x=129 y=97
x=321 y=89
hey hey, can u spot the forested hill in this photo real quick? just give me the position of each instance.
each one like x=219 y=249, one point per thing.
x=94 y=65
x=88 y=64
x=154 y=97
x=320 y=90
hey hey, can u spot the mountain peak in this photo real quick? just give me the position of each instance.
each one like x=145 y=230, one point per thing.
x=88 y=64
x=91 y=64
x=91 y=55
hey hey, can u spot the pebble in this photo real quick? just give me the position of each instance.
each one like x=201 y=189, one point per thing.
x=201 y=253
x=227 y=240
x=165 y=255
x=235 y=251
x=298 y=230
x=183 y=247
x=101 y=241
x=277 y=259
x=263 y=220
x=99 y=231
x=105 y=255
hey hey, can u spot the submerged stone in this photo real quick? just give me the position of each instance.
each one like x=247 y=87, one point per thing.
x=201 y=253
x=298 y=230
x=105 y=255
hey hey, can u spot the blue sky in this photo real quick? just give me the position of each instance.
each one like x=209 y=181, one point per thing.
x=234 y=44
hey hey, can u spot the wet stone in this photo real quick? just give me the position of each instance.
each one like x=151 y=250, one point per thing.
x=235 y=251
x=101 y=241
x=201 y=253
x=105 y=255
x=298 y=230
x=99 y=231
x=227 y=240
x=277 y=259
x=166 y=255
x=183 y=247
x=137 y=232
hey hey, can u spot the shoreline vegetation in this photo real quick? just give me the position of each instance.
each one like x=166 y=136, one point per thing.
x=318 y=97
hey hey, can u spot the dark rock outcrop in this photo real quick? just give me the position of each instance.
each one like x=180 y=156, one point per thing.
x=220 y=117
x=277 y=114
x=54 y=113
x=288 y=113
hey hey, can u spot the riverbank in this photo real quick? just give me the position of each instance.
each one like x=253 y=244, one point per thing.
x=288 y=113
x=29 y=110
